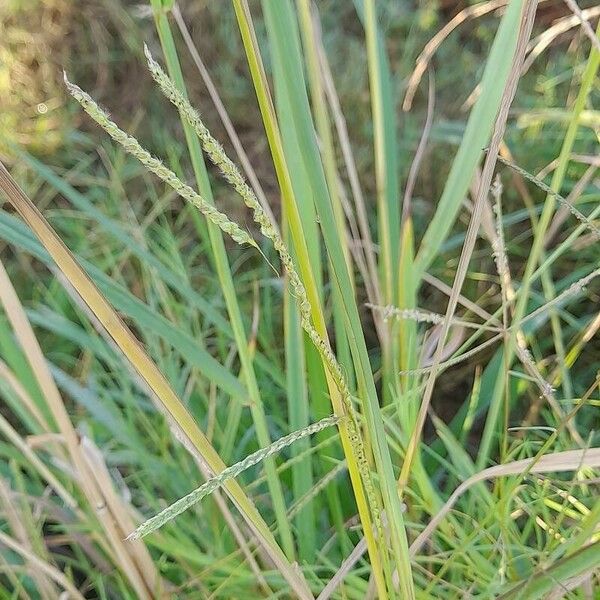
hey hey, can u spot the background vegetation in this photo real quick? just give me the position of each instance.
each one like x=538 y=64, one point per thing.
x=460 y=301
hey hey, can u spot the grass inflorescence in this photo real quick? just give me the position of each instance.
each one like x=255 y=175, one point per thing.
x=441 y=306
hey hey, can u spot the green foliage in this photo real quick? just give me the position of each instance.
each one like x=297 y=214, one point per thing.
x=103 y=439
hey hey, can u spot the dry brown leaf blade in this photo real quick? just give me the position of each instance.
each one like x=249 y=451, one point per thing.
x=569 y=460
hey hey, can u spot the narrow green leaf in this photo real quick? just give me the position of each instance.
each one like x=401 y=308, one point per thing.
x=475 y=139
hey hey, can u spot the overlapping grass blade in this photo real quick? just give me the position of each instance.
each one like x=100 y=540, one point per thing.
x=536 y=253
x=569 y=460
x=304 y=266
x=386 y=155
x=145 y=368
x=476 y=137
x=13 y=231
x=226 y=279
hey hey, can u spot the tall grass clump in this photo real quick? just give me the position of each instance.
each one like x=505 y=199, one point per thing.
x=344 y=400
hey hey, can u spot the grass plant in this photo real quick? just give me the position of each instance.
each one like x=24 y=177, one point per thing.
x=225 y=395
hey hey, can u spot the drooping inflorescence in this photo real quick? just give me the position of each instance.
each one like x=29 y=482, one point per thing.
x=231 y=173
x=546 y=188
x=133 y=147
x=225 y=475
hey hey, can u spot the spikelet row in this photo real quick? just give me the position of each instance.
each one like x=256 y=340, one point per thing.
x=231 y=472
x=154 y=165
x=546 y=188
x=231 y=173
